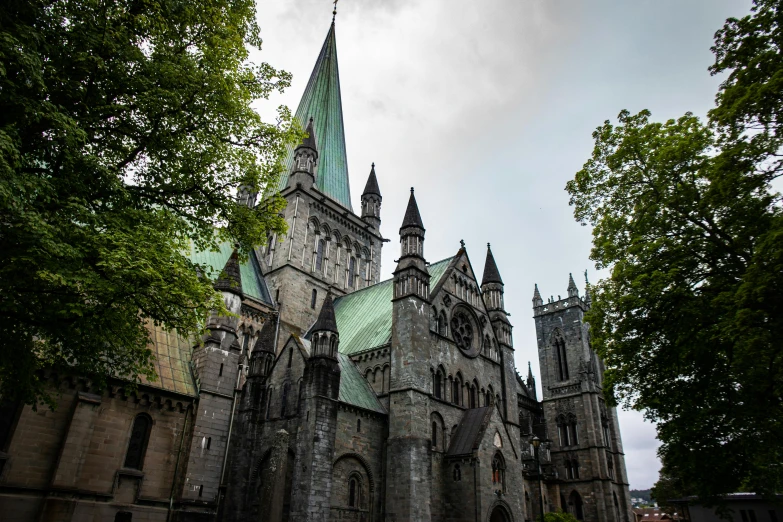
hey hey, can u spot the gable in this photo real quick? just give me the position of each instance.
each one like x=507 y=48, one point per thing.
x=253 y=283
x=354 y=389
x=364 y=317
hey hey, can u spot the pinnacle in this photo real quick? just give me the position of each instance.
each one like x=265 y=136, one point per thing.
x=310 y=140
x=266 y=339
x=372 y=183
x=412 y=217
x=491 y=273
x=536 y=293
x=326 y=319
x=230 y=278
x=571 y=283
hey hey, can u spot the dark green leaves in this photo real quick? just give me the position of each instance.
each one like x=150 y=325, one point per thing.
x=125 y=131
x=689 y=321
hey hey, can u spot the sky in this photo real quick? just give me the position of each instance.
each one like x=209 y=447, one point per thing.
x=487 y=109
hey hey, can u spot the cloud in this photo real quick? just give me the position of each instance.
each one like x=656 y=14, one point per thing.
x=487 y=108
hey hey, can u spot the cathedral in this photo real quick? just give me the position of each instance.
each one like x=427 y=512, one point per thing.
x=330 y=394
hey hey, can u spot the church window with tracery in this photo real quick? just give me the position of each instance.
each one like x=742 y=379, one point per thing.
x=140 y=436
x=462 y=331
x=561 y=360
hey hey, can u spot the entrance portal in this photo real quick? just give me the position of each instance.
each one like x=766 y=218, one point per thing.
x=499 y=515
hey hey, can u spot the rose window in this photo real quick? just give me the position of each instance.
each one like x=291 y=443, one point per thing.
x=462 y=331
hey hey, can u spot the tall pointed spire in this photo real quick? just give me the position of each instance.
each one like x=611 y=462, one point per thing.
x=372 y=184
x=322 y=102
x=537 y=301
x=412 y=217
x=491 y=273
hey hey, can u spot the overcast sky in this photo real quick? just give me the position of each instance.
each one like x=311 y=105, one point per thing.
x=487 y=108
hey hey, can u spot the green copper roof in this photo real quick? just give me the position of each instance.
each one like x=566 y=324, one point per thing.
x=253 y=284
x=354 y=389
x=364 y=318
x=322 y=102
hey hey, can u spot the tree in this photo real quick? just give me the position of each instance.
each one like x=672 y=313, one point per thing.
x=690 y=320
x=559 y=516
x=125 y=129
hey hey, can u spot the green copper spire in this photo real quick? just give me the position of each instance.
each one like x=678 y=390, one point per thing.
x=321 y=101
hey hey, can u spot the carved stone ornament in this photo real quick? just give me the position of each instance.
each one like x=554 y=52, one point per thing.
x=447 y=300
x=565 y=406
x=483 y=321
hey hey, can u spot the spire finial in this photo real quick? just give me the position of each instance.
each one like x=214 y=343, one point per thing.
x=487 y=245
x=334 y=12
x=586 y=281
x=373 y=166
x=462 y=243
x=411 y=191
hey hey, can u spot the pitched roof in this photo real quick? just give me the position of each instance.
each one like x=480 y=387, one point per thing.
x=354 y=389
x=470 y=431
x=372 y=183
x=491 y=273
x=321 y=100
x=172 y=361
x=364 y=317
x=253 y=284
x=326 y=317
x=412 y=217
x=266 y=339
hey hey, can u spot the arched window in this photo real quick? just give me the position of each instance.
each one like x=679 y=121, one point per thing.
x=457 y=473
x=434 y=434
x=472 y=396
x=313 y=297
x=605 y=427
x=358 y=425
x=617 y=509
x=498 y=472
x=572 y=431
x=433 y=319
x=563 y=433
x=442 y=324
x=575 y=468
x=351 y=272
x=354 y=492
x=333 y=346
x=438 y=384
x=319 y=256
x=610 y=465
x=140 y=436
x=561 y=360
x=284 y=398
x=455 y=391
x=575 y=503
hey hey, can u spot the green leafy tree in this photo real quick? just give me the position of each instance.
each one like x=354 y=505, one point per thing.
x=559 y=516
x=690 y=320
x=126 y=128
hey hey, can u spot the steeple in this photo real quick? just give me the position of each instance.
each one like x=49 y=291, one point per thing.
x=371 y=201
x=588 y=300
x=573 y=291
x=411 y=276
x=492 y=284
x=322 y=102
x=230 y=279
x=304 y=168
x=537 y=301
x=263 y=351
x=491 y=273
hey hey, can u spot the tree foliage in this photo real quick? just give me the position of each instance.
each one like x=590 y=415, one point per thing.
x=690 y=320
x=558 y=516
x=125 y=129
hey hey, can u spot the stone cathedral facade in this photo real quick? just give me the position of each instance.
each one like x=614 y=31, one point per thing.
x=333 y=395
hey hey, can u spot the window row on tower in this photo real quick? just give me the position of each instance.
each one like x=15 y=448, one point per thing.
x=455 y=389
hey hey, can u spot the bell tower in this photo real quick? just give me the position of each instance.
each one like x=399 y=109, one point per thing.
x=586 y=447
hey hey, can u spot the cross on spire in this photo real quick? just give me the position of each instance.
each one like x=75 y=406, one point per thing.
x=334 y=12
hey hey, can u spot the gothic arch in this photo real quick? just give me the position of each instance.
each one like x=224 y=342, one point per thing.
x=336 y=236
x=499 y=511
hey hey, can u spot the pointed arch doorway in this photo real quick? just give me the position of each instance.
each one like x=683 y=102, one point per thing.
x=499 y=514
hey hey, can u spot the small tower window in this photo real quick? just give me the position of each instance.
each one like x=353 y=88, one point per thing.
x=351 y=272
x=313 y=298
x=358 y=425
x=434 y=435
x=354 y=492
x=140 y=436
x=457 y=473
x=561 y=359
x=498 y=472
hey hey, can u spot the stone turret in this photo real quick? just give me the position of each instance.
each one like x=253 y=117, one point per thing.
x=216 y=365
x=411 y=276
x=371 y=201
x=311 y=495
x=304 y=168
x=573 y=291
